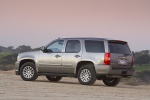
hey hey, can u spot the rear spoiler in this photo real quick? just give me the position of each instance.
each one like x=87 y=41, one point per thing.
x=117 y=41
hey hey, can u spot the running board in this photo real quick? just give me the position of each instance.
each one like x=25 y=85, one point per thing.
x=56 y=74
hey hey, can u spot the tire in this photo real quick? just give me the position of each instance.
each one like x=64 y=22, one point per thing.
x=54 y=78
x=28 y=72
x=87 y=75
x=111 y=81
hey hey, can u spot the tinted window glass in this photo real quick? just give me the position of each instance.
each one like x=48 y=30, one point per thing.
x=56 y=46
x=94 y=46
x=73 y=46
x=121 y=48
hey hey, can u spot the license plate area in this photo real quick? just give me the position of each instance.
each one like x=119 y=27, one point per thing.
x=122 y=61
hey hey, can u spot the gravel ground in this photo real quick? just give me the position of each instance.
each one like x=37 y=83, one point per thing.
x=12 y=87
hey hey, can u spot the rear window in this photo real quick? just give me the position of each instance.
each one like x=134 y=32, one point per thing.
x=94 y=46
x=120 y=48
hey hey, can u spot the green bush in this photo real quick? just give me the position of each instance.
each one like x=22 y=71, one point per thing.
x=3 y=54
x=142 y=67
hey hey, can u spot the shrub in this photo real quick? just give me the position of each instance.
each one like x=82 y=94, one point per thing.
x=139 y=78
x=132 y=81
x=143 y=75
x=6 y=67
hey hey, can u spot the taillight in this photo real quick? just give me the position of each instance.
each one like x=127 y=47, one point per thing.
x=107 y=59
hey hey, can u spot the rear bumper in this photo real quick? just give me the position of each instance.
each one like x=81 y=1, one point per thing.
x=107 y=71
x=122 y=72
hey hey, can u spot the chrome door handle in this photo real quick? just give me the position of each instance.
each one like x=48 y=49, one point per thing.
x=77 y=56
x=57 y=56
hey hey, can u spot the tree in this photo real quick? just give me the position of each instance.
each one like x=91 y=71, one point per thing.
x=23 y=48
x=144 y=59
x=2 y=48
x=140 y=53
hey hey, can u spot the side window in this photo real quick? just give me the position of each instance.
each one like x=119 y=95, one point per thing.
x=73 y=46
x=56 y=46
x=94 y=46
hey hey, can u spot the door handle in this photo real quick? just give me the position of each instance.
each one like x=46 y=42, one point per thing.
x=77 y=56
x=57 y=56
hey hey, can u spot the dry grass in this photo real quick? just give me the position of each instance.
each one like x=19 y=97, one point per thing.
x=139 y=78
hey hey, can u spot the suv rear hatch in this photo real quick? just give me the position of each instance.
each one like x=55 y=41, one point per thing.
x=120 y=55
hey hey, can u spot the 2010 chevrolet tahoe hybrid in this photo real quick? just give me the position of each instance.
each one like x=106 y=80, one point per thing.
x=87 y=59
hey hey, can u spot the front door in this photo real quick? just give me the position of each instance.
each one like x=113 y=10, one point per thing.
x=50 y=60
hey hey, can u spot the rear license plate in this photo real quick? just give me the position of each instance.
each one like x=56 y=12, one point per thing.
x=122 y=62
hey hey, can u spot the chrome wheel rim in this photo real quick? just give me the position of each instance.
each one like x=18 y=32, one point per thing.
x=28 y=72
x=85 y=75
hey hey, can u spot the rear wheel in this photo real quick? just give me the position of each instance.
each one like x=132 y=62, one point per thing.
x=87 y=75
x=54 y=78
x=28 y=72
x=111 y=81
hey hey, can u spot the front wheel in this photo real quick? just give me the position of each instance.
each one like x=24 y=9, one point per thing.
x=28 y=72
x=111 y=81
x=54 y=78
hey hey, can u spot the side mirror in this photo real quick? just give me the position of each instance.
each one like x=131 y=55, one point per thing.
x=42 y=48
x=46 y=50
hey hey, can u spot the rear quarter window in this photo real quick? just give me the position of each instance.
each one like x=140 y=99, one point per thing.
x=120 y=48
x=94 y=46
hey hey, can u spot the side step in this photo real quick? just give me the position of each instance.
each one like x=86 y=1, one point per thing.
x=56 y=74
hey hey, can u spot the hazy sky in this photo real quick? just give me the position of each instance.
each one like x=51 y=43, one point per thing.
x=37 y=22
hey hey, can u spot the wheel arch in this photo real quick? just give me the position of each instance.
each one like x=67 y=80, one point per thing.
x=80 y=64
x=23 y=61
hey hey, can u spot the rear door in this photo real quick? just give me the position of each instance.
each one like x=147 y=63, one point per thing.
x=121 y=56
x=71 y=56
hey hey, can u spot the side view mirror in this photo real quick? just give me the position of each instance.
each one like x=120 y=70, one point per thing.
x=46 y=50
x=42 y=48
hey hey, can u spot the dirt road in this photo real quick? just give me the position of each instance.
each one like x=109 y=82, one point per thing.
x=12 y=87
